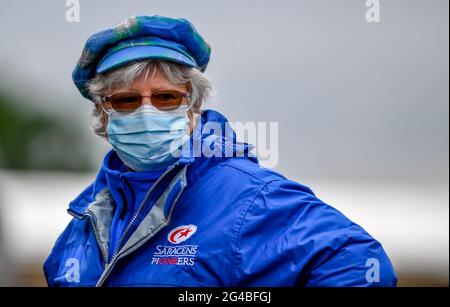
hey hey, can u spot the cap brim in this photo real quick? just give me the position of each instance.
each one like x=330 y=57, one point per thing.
x=124 y=56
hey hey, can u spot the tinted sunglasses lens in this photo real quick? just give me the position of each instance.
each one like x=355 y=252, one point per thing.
x=167 y=100
x=125 y=102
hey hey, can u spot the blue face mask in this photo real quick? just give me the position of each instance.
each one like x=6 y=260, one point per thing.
x=148 y=139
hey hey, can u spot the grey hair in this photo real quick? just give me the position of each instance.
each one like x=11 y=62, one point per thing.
x=199 y=87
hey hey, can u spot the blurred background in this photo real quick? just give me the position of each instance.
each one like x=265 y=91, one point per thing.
x=363 y=113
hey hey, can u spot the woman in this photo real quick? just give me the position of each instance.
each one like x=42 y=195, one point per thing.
x=176 y=203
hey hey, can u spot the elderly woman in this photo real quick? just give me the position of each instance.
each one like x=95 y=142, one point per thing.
x=176 y=203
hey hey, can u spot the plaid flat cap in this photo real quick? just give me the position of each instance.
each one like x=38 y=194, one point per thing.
x=139 y=38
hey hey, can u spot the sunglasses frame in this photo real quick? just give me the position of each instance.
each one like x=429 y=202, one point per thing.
x=105 y=99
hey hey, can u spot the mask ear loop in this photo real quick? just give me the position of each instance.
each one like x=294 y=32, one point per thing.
x=188 y=98
x=101 y=105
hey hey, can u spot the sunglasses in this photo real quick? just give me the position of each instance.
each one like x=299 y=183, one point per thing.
x=163 y=100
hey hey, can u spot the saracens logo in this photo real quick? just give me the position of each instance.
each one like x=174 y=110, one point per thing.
x=181 y=233
x=179 y=254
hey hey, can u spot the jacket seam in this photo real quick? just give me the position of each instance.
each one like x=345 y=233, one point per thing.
x=251 y=174
x=237 y=236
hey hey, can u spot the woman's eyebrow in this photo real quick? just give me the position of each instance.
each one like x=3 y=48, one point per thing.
x=157 y=89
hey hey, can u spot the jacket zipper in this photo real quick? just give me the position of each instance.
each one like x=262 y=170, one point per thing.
x=122 y=237
x=147 y=195
x=97 y=237
x=93 y=223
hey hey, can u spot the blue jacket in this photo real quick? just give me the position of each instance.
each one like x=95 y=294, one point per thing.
x=210 y=220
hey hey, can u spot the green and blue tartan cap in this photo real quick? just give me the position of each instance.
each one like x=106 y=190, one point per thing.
x=139 y=38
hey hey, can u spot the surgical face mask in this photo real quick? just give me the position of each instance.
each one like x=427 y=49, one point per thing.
x=148 y=139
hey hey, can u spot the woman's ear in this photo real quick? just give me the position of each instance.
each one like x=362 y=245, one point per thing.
x=193 y=119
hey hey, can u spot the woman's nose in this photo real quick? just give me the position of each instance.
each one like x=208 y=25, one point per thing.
x=146 y=100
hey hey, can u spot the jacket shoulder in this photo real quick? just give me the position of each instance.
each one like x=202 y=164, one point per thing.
x=244 y=166
x=290 y=236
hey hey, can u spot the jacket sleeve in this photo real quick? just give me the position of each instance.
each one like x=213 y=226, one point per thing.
x=288 y=237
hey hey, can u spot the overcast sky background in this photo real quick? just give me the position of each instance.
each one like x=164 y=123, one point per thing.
x=353 y=99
